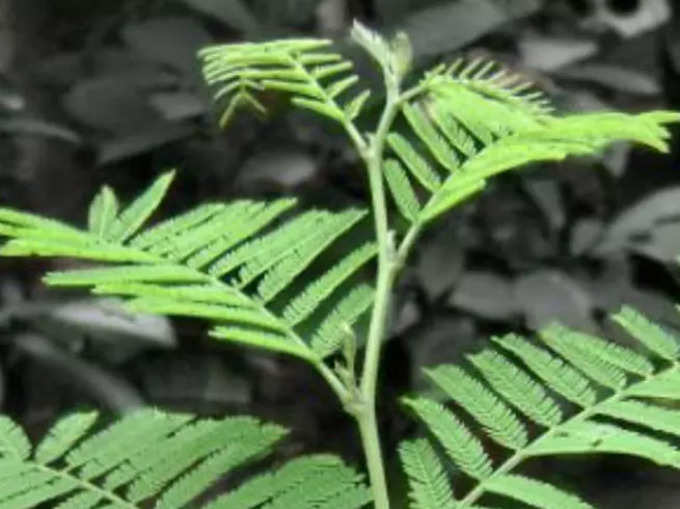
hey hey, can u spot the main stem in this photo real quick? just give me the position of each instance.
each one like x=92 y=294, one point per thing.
x=387 y=268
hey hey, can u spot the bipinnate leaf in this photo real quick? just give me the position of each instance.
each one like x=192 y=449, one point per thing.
x=220 y=262
x=316 y=78
x=588 y=396
x=474 y=119
x=161 y=458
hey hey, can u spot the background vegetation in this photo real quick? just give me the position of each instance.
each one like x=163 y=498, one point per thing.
x=106 y=92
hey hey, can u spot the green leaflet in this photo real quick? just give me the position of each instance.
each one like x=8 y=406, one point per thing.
x=63 y=435
x=304 y=251
x=330 y=334
x=130 y=273
x=565 y=343
x=517 y=387
x=159 y=234
x=534 y=492
x=558 y=375
x=429 y=484
x=456 y=135
x=498 y=420
x=418 y=166
x=324 y=71
x=257 y=255
x=103 y=212
x=219 y=313
x=35 y=247
x=322 y=108
x=663 y=385
x=434 y=141
x=232 y=234
x=650 y=416
x=132 y=217
x=208 y=293
x=13 y=441
x=353 y=108
x=266 y=340
x=458 y=442
x=590 y=437
x=184 y=245
x=338 y=87
x=24 y=222
x=317 y=291
x=447 y=198
x=649 y=334
x=616 y=355
x=402 y=192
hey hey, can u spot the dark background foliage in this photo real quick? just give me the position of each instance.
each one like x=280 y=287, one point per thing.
x=110 y=92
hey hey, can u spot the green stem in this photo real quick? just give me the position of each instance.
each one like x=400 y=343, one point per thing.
x=365 y=411
x=370 y=440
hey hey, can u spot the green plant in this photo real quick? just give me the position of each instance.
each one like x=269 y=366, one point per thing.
x=435 y=145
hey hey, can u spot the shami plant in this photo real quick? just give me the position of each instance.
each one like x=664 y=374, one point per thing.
x=239 y=265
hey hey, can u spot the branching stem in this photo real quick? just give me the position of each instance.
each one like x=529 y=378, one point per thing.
x=387 y=269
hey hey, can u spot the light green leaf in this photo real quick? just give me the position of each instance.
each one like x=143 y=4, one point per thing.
x=649 y=334
x=427 y=479
x=517 y=387
x=498 y=420
x=402 y=192
x=534 y=493
x=460 y=444
x=135 y=214
x=63 y=435
x=103 y=212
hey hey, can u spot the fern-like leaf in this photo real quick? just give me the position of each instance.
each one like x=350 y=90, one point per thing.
x=471 y=121
x=303 y=68
x=151 y=456
x=222 y=262
x=612 y=387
